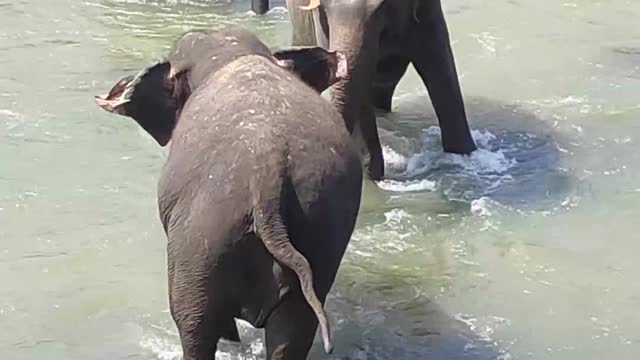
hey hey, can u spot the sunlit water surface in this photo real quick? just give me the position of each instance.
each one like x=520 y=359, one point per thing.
x=527 y=249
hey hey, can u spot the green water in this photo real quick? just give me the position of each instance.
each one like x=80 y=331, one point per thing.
x=526 y=250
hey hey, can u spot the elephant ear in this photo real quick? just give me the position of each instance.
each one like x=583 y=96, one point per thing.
x=154 y=99
x=316 y=66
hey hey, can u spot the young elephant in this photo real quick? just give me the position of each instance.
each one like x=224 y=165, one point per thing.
x=260 y=191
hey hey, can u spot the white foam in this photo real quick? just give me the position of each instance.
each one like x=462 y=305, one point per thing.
x=278 y=10
x=483 y=138
x=487 y=41
x=163 y=349
x=569 y=102
x=558 y=101
x=9 y=113
x=396 y=215
x=395 y=230
x=393 y=159
x=407 y=186
x=483 y=206
x=572 y=100
x=484 y=328
x=480 y=162
x=485 y=161
x=487 y=167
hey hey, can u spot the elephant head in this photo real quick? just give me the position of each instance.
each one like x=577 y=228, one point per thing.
x=380 y=38
x=359 y=28
x=155 y=97
x=356 y=27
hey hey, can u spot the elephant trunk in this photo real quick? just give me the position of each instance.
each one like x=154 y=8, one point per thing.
x=351 y=95
x=344 y=98
x=260 y=7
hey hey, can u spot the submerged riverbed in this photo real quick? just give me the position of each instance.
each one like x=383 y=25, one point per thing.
x=526 y=249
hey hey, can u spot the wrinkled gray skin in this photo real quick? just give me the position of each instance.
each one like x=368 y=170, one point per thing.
x=380 y=39
x=262 y=178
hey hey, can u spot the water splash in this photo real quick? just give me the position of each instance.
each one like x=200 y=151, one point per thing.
x=166 y=345
x=397 y=229
x=513 y=168
x=484 y=207
x=393 y=159
x=487 y=160
x=430 y=169
x=484 y=328
x=407 y=186
x=162 y=348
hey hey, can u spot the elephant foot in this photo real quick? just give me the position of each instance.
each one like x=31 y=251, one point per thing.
x=375 y=168
x=462 y=146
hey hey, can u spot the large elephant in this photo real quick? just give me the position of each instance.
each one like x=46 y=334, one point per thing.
x=381 y=38
x=260 y=191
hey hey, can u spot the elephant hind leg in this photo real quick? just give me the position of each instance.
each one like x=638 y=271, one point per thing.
x=290 y=329
x=201 y=317
x=199 y=340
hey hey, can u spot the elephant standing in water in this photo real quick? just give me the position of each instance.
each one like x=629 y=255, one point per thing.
x=381 y=38
x=260 y=191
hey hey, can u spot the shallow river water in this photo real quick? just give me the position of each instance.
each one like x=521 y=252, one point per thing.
x=525 y=250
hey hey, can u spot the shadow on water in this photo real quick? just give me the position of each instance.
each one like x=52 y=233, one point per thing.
x=389 y=317
x=518 y=163
x=385 y=318
x=407 y=325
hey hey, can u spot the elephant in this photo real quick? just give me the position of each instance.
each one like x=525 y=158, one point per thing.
x=261 y=187
x=260 y=7
x=381 y=38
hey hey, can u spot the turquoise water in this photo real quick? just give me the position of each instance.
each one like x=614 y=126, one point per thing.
x=525 y=250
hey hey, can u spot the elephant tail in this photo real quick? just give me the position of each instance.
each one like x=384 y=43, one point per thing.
x=269 y=225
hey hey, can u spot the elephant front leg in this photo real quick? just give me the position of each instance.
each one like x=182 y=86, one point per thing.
x=369 y=133
x=382 y=97
x=388 y=74
x=433 y=59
